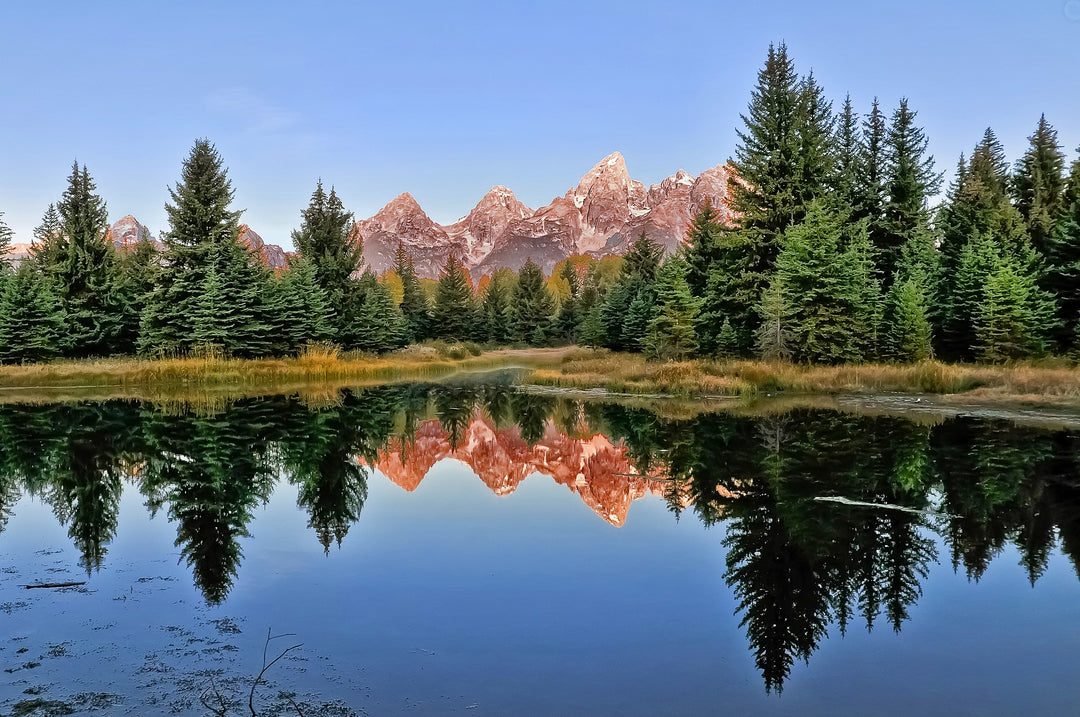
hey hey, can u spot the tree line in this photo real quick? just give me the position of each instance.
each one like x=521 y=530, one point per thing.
x=834 y=255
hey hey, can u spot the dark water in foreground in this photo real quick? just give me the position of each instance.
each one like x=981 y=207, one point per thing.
x=482 y=551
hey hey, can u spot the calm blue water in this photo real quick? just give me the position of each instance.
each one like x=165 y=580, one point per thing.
x=719 y=584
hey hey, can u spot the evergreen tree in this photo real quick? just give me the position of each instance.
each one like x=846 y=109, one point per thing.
x=909 y=321
x=870 y=192
x=639 y=317
x=379 y=324
x=200 y=221
x=728 y=343
x=414 y=302
x=774 y=338
x=569 y=318
x=32 y=322
x=531 y=305
x=328 y=238
x=642 y=260
x=49 y=245
x=453 y=301
x=815 y=132
x=138 y=270
x=845 y=179
x=1038 y=185
x=88 y=275
x=828 y=288
x=301 y=309
x=910 y=182
x=1063 y=259
x=6 y=235
x=767 y=162
x=671 y=333
x=495 y=309
x=978 y=260
x=1012 y=317
x=704 y=244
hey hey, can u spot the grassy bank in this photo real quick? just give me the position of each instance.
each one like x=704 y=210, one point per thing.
x=630 y=373
x=322 y=373
x=314 y=372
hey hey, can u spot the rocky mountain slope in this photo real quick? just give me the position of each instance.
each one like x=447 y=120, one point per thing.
x=601 y=215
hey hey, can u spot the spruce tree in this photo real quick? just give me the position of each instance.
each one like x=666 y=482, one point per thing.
x=671 y=333
x=6 y=235
x=328 y=238
x=495 y=308
x=828 y=288
x=569 y=317
x=138 y=270
x=453 y=308
x=767 y=160
x=201 y=221
x=816 y=152
x=704 y=243
x=909 y=332
x=531 y=305
x=379 y=325
x=910 y=180
x=978 y=260
x=1038 y=185
x=639 y=317
x=1063 y=260
x=32 y=322
x=49 y=246
x=88 y=276
x=414 y=302
x=301 y=309
x=868 y=202
x=1011 y=319
x=774 y=333
x=845 y=178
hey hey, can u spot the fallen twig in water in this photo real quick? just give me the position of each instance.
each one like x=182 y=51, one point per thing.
x=55 y=585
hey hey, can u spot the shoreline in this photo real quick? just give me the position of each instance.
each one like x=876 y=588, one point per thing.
x=1051 y=388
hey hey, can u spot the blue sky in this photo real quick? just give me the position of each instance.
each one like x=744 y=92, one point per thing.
x=445 y=99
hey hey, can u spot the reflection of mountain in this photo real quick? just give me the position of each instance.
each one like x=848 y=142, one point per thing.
x=595 y=468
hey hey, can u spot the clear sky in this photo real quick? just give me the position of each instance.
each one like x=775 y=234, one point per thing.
x=445 y=99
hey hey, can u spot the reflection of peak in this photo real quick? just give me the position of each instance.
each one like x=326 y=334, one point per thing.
x=594 y=468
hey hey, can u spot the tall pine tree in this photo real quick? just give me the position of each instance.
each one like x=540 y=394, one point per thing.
x=1038 y=185
x=88 y=276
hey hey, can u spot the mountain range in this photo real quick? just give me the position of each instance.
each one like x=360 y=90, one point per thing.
x=601 y=215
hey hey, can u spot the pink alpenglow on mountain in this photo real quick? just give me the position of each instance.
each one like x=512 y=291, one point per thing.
x=272 y=255
x=126 y=232
x=602 y=215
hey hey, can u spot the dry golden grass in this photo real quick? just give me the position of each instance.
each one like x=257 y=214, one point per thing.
x=319 y=373
x=631 y=373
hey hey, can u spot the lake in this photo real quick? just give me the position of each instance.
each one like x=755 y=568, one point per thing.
x=477 y=548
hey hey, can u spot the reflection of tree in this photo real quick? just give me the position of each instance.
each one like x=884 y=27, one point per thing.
x=455 y=406
x=213 y=471
x=531 y=413
x=320 y=452
x=84 y=483
x=991 y=470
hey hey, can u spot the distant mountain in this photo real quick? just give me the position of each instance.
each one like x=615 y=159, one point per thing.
x=601 y=215
x=126 y=232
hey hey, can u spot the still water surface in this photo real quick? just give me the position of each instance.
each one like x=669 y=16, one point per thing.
x=477 y=549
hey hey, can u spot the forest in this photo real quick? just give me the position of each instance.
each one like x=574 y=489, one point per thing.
x=836 y=256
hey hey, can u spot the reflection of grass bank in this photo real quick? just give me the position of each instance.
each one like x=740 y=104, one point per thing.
x=630 y=373
x=315 y=372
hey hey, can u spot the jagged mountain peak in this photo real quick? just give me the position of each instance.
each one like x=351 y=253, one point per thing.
x=598 y=216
